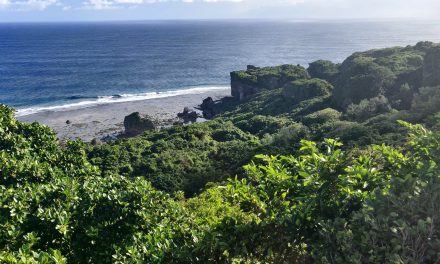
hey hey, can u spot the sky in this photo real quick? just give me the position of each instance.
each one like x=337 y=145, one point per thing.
x=109 y=10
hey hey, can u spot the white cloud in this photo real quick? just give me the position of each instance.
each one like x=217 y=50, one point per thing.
x=109 y=4
x=34 y=4
x=98 y=4
x=245 y=8
x=129 y=1
x=215 y=1
x=4 y=3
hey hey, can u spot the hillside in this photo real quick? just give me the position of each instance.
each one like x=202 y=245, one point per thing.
x=284 y=105
x=301 y=165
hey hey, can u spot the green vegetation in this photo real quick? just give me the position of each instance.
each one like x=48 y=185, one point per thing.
x=268 y=77
x=304 y=89
x=323 y=69
x=261 y=183
x=253 y=80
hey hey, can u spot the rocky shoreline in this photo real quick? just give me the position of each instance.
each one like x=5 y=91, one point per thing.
x=101 y=122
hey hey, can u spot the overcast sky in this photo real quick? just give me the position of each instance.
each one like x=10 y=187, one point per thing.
x=86 y=10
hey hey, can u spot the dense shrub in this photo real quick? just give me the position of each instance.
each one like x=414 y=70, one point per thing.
x=274 y=104
x=431 y=69
x=304 y=201
x=247 y=83
x=427 y=100
x=368 y=108
x=322 y=116
x=55 y=207
x=306 y=89
x=282 y=74
x=402 y=98
x=402 y=61
x=180 y=158
x=323 y=69
x=361 y=78
x=399 y=224
x=352 y=133
x=287 y=136
x=260 y=125
x=321 y=203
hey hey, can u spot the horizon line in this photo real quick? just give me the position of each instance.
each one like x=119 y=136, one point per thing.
x=292 y=20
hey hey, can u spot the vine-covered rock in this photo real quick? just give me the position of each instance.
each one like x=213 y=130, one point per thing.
x=254 y=79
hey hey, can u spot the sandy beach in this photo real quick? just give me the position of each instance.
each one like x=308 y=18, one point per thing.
x=103 y=120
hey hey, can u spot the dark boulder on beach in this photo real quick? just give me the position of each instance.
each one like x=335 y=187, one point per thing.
x=208 y=108
x=134 y=124
x=188 y=116
x=68 y=122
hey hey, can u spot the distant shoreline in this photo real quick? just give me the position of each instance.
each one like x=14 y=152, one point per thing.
x=106 y=119
x=117 y=98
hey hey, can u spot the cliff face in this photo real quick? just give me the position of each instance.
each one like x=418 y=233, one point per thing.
x=254 y=79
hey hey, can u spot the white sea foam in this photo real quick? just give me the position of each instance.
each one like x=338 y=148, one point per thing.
x=120 y=98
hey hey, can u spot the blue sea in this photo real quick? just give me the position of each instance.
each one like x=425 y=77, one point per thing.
x=62 y=65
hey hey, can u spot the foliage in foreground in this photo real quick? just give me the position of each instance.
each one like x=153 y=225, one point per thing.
x=322 y=204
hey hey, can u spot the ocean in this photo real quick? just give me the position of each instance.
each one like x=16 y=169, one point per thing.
x=62 y=65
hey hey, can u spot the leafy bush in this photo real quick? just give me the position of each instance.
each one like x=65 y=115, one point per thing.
x=368 y=108
x=306 y=89
x=323 y=69
x=399 y=224
x=402 y=61
x=247 y=83
x=260 y=125
x=179 y=158
x=284 y=73
x=287 y=136
x=55 y=207
x=352 y=133
x=427 y=100
x=322 y=116
x=361 y=78
x=291 y=195
x=431 y=69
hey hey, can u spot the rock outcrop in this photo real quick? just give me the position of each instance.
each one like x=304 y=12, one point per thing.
x=208 y=107
x=188 y=116
x=134 y=124
x=254 y=79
